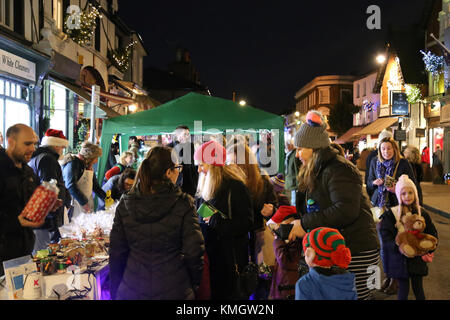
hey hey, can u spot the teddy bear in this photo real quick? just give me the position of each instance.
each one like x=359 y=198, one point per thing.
x=411 y=241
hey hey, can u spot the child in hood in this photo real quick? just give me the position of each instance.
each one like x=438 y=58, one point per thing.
x=287 y=255
x=328 y=258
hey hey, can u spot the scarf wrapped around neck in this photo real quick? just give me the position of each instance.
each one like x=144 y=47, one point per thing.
x=383 y=169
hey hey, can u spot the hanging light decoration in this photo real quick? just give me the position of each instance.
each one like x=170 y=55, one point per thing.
x=368 y=105
x=413 y=94
x=86 y=22
x=120 y=58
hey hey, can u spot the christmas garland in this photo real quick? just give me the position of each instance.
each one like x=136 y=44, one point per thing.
x=368 y=105
x=433 y=63
x=120 y=58
x=413 y=93
x=80 y=27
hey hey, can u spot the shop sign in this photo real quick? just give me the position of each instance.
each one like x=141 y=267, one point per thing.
x=420 y=133
x=17 y=66
x=445 y=114
x=400 y=104
x=400 y=135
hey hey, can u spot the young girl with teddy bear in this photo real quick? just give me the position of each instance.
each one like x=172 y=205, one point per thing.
x=406 y=244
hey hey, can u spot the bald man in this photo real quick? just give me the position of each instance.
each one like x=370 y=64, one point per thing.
x=17 y=184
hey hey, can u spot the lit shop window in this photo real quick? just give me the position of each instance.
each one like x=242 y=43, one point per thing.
x=58 y=112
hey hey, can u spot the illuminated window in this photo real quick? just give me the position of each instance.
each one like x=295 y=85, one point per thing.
x=58 y=13
x=324 y=95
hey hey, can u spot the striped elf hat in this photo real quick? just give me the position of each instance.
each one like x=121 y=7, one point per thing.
x=329 y=246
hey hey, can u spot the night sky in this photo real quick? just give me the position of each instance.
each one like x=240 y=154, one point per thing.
x=266 y=51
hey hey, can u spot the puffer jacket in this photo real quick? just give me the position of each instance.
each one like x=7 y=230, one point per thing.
x=341 y=202
x=157 y=248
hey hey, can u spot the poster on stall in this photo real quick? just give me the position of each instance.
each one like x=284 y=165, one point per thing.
x=15 y=273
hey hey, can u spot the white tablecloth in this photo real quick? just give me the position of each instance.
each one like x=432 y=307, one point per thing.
x=63 y=283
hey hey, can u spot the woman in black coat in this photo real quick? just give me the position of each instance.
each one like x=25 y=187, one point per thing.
x=331 y=195
x=156 y=249
x=389 y=162
x=226 y=237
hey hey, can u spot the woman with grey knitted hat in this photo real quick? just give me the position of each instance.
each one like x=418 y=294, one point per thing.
x=80 y=178
x=330 y=195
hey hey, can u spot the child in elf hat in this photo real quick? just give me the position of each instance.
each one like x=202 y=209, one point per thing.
x=396 y=265
x=328 y=258
x=287 y=254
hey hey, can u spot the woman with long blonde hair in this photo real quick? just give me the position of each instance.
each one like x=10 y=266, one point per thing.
x=226 y=234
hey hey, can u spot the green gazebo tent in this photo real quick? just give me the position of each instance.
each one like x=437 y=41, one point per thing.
x=200 y=113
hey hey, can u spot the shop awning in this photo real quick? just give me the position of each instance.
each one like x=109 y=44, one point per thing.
x=131 y=87
x=85 y=95
x=349 y=135
x=113 y=97
x=376 y=127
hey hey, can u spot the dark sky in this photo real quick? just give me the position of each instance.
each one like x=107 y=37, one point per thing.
x=266 y=50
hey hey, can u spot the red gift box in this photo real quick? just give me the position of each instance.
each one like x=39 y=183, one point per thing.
x=41 y=202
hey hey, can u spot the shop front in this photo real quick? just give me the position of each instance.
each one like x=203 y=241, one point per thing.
x=20 y=70
x=67 y=105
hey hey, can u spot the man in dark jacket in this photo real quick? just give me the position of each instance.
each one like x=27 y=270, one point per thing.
x=184 y=148
x=45 y=165
x=17 y=184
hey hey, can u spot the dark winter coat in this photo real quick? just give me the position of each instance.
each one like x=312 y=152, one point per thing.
x=223 y=235
x=418 y=173
x=156 y=249
x=73 y=169
x=16 y=187
x=342 y=203
x=395 y=264
x=403 y=168
x=188 y=178
x=373 y=154
x=46 y=166
x=292 y=167
x=268 y=197
x=285 y=270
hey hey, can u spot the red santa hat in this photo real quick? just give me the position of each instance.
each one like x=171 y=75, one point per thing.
x=54 y=138
x=283 y=213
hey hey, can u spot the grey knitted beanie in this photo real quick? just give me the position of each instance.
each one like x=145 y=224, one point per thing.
x=313 y=133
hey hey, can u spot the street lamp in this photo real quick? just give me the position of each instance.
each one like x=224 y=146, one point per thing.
x=132 y=108
x=297 y=114
x=381 y=59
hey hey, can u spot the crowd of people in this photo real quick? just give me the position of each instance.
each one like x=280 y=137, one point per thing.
x=315 y=239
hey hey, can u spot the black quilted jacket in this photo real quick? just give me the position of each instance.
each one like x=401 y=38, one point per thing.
x=156 y=247
x=341 y=202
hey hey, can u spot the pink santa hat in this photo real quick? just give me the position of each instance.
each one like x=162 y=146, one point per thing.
x=403 y=182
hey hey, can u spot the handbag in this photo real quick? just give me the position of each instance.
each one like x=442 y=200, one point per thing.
x=246 y=281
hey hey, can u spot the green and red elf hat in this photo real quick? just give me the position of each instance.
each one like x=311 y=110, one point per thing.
x=329 y=246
